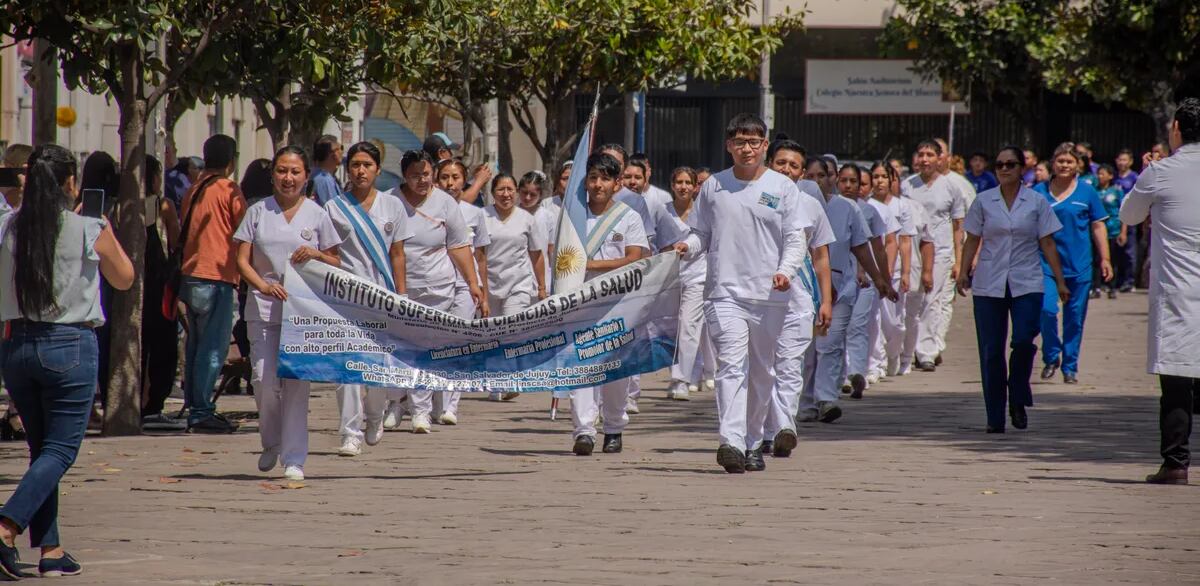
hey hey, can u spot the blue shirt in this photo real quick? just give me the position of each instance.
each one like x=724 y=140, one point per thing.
x=1076 y=212
x=1126 y=183
x=176 y=185
x=324 y=186
x=1111 y=197
x=982 y=182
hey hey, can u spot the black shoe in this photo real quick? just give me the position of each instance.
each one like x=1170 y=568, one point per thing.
x=1112 y=293
x=785 y=442
x=937 y=360
x=1050 y=370
x=1070 y=378
x=755 y=461
x=1020 y=419
x=846 y=388
x=10 y=564
x=991 y=429
x=1095 y=294
x=858 y=383
x=731 y=458
x=1126 y=289
x=1167 y=475
x=215 y=424
x=56 y=568
x=926 y=366
x=612 y=443
x=828 y=412
x=768 y=447
x=584 y=445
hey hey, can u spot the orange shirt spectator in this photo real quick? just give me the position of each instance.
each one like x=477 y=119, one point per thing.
x=210 y=252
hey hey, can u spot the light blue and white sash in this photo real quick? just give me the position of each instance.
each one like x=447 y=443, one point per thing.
x=606 y=224
x=808 y=279
x=368 y=235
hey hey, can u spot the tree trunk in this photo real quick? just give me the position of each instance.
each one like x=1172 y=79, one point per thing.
x=44 y=76
x=560 y=126
x=122 y=415
x=1162 y=110
x=276 y=124
x=506 y=129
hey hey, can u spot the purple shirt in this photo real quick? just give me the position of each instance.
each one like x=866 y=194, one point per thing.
x=1029 y=176
x=1126 y=182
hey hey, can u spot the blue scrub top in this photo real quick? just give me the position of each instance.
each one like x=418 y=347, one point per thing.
x=1074 y=242
x=982 y=182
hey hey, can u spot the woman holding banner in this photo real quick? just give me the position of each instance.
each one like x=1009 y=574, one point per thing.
x=285 y=228
x=372 y=227
x=438 y=252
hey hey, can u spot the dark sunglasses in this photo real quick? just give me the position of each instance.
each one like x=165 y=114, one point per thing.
x=1007 y=164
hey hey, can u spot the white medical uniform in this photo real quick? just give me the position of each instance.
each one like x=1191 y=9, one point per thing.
x=464 y=306
x=547 y=216
x=693 y=354
x=827 y=364
x=387 y=214
x=915 y=299
x=438 y=226
x=864 y=320
x=943 y=203
x=586 y=402
x=751 y=230
x=795 y=341
x=964 y=187
x=282 y=403
x=891 y=313
x=512 y=286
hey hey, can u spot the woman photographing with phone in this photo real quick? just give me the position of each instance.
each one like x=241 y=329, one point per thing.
x=51 y=260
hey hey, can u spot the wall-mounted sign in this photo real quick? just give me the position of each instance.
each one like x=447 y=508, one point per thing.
x=872 y=86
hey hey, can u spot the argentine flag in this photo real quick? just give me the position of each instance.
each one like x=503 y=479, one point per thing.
x=570 y=257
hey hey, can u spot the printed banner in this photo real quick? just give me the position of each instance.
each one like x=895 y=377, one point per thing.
x=338 y=328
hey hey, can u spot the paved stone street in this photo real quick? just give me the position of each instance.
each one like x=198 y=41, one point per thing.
x=905 y=489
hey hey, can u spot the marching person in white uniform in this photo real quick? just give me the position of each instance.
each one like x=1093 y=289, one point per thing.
x=747 y=218
x=694 y=357
x=286 y=228
x=1168 y=193
x=516 y=269
x=372 y=226
x=945 y=205
x=545 y=212
x=964 y=187
x=864 y=319
x=615 y=237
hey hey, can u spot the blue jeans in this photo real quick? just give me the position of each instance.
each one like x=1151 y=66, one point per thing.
x=1001 y=381
x=210 y=307
x=1073 y=314
x=51 y=374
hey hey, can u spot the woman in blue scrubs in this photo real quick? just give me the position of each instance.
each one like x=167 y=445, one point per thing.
x=1082 y=216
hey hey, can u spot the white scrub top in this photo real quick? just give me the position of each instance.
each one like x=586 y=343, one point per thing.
x=751 y=230
x=437 y=226
x=641 y=206
x=629 y=231
x=1169 y=193
x=274 y=239
x=692 y=269
x=480 y=238
x=666 y=230
x=943 y=203
x=509 y=268
x=390 y=220
x=963 y=186
x=850 y=228
x=1009 y=255
x=891 y=224
x=903 y=213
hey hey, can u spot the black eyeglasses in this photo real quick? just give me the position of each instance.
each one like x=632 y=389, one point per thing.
x=1007 y=164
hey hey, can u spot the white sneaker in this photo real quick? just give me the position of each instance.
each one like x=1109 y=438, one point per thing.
x=393 y=415
x=421 y=424
x=903 y=369
x=872 y=378
x=693 y=388
x=631 y=406
x=351 y=446
x=678 y=391
x=293 y=473
x=710 y=385
x=374 y=432
x=494 y=396
x=448 y=418
x=893 y=366
x=268 y=459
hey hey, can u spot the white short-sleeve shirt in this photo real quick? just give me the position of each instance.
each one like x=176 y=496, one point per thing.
x=1009 y=254
x=943 y=203
x=391 y=222
x=903 y=214
x=509 y=267
x=850 y=228
x=820 y=233
x=629 y=231
x=693 y=269
x=437 y=226
x=642 y=207
x=891 y=224
x=274 y=239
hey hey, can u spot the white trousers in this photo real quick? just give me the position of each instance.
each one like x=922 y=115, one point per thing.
x=357 y=403
x=282 y=403
x=830 y=356
x=948 y=296
x=890 y=343
x=587 y=402
x=860 y=339
x=693 y=350
x=745 y=335
x=445 y=298
x=516 y=302
x=794 y=342
x=933 y=310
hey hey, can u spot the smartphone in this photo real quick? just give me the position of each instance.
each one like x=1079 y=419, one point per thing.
x=8 y=177
x=93 y=203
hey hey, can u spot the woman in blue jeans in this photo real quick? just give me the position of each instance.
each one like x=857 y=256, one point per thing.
x=51 y=260
x=1008 y=225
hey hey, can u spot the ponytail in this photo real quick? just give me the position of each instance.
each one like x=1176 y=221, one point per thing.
x=37 y=226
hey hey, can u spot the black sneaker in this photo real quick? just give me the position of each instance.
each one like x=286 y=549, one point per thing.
x=56 y=568
x=926 y=367
x=731 y=458
x=1020 y=419
x=1112 y=293
x=215 y=424
x=937 y=360
x=1126 y=289
x=612 y=443
x=785 y=442
x=10 y=564
x=768 y=447
x=755 y=461
x=162 y=422
x=1095 y=294
x=858 y=384
x=584 y=445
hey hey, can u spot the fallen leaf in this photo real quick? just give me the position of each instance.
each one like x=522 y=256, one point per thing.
x=268 y=486
x=294 y=485
x=112 y=470
x=166 y=480
x=188 y=450
x=350 y=554
x=989 y=492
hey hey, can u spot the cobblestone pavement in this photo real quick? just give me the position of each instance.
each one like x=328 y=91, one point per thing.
x=905 y=489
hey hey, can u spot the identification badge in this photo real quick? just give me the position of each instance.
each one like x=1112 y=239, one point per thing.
x=388 y=227
x=766 y=199
x=306 y=234
x=617 y=237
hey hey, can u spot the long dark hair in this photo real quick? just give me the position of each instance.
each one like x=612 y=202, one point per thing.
x=37 y=226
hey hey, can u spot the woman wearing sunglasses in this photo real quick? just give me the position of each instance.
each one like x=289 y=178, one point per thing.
x=1007 y=225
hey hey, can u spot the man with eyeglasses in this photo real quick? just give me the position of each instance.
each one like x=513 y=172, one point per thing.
x=748 y=219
